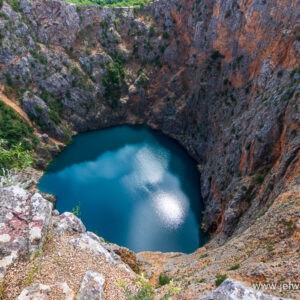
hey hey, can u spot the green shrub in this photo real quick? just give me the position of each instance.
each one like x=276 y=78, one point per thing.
x=15 y=4
x=234 y=267
x=3 y=15
x=158 y=62
x=166 y=35
x=270 y=247
x=142 y=80
x=14 y=157
x=220 y=278
x=145 y=291
x=112 y=81
x=151 y=31
x=135 y=50
x=17 y=139
x=76 y=210
x=294 y=72
x=39 y=57
x=244 y=188
x=8 y=79
x=290 y=226
x=104 y=24
x=258 y=179
x=163 y=279
x=228 y=14
x=14 y=129
x=279 y=73
x=54 y=116
x=43 y=59
x=114 y=3
x=216 y=54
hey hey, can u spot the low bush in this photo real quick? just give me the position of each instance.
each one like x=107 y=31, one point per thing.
x=234 y=267
x=112 y=81
x=145 y=291
x=14 y=130
x=16 y=140
x=163 y=279
x=258 y=179
x=14 y=157
x=220 y=278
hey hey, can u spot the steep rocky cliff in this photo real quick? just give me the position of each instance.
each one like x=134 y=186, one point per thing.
x=221 y=77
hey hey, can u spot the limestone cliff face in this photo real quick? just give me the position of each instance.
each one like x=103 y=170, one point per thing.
x=221 y=77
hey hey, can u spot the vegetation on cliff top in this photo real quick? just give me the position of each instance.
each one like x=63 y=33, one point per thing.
x=14 y=157
x=14 y=129
x=113 y=3
x=16 y=139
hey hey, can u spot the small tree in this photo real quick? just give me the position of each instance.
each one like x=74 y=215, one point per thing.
x=14 y=157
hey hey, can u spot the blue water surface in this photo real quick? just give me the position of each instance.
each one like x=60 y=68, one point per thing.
x=134 y=187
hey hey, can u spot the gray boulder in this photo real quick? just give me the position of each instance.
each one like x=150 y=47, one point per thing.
x=24 y=223
x=91 y=242
x=231 y=289
x=44 y=292
x=67 y=222
x=36 y=107
x=35 y=291
x=56 y=84
x=91 y=287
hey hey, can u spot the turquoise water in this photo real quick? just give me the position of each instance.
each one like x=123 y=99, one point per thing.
x=132 y=185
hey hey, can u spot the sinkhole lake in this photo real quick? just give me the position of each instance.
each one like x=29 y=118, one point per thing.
x=131 y=185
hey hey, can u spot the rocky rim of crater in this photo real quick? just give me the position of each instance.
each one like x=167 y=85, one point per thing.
x=47 y=255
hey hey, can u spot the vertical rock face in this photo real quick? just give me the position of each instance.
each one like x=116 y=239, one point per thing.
x=55 y=22
x=221 y=77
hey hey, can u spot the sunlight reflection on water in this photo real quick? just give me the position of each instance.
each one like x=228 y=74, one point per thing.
x=171 y=209
x=144 y=169
x=138 y=194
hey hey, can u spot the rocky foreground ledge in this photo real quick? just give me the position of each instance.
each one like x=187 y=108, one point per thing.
x=45 y=255
x=54 y=254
